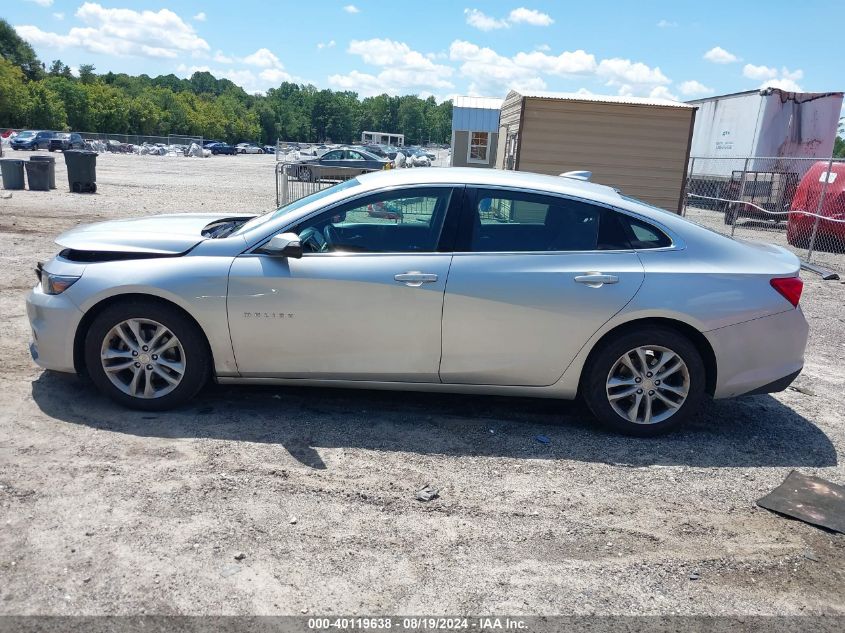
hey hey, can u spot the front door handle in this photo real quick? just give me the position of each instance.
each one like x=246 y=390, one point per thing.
x=596 y=280
x=415 y=279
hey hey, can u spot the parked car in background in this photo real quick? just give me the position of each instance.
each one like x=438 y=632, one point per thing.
x=491 y=282
x=62 y=141
x=390 y=151
x=378 y=150
x=343 y=162
x=32 y=139
x=269 y=149
x=417 y=157
x=221 y=148
x=830 y=228
x=248 y=148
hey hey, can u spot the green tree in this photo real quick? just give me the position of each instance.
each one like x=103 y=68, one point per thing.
x=108 y=108
x=46 y=110
x=19 y=52
x=838 y=147
x=86 y=73
x=14 y=95
x=74 y=96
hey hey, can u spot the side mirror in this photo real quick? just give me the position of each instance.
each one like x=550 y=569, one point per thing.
x=283 y=245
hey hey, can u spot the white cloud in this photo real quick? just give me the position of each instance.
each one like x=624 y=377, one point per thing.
x=484 y=22
x=403 y=70
x=662 y=92
x=543 y=47
x=787 y=74
x=632 y=78
x=59 y=15
x=567 y=63
x=200 y=17
x=694 y=88
x=275 y=75
x=220 y=58
x=666 y=24
x=790 y=85
x=759 y=72
x=329 y=44
x=719 y=55
x=161 y=34
x=529 y=16
x=42 y=3
x=784 y=79
x=245 y=78
x=491 y=73
x=773 y=78
x=263 y=58
x=351 y=8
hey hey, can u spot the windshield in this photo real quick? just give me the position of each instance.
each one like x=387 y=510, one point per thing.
x=296 y=204
x=26 y=134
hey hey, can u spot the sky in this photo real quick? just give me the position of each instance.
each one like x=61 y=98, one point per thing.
x=677 y=50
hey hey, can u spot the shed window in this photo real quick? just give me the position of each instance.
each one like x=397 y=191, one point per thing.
x=479 y=145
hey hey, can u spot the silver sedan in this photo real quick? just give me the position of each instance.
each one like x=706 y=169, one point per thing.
x=450 y=280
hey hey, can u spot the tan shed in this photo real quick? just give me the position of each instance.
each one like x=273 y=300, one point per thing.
x=639 y=146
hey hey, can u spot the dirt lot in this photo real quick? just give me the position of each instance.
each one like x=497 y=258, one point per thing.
x=107 y=511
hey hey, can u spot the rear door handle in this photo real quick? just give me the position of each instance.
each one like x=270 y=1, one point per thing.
x=596 y=280
x=415 y=279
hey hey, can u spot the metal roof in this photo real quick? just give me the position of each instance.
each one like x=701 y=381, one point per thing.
x=578 y=96
x=763 y=92
x=481 y=103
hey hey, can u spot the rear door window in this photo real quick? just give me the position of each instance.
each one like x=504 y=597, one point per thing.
x=514 y=221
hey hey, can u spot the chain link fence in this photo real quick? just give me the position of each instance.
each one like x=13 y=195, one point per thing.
x=171 y=144
x=295 y=180
x=798 y=203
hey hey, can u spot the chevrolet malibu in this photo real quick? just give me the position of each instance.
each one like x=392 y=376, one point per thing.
x=486 y=282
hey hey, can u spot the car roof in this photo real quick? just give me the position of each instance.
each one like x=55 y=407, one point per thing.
x=491 y=177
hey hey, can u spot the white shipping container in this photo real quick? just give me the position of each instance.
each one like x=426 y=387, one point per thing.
x=763 y=123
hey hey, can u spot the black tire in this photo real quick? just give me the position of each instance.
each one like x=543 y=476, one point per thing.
x=197 y=358
x=603 y=359
x=305 y=175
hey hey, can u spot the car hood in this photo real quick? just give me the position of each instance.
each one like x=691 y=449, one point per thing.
x=151 y=235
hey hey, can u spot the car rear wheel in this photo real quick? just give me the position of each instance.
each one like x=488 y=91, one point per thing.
x=304 y=174
x=146 y=355
x=645 y=382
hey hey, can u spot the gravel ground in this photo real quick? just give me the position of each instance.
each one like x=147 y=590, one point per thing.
x=290 y=501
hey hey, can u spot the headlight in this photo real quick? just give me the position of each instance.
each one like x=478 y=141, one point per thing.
x=56 y=284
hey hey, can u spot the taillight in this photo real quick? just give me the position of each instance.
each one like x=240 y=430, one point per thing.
x=789 y=287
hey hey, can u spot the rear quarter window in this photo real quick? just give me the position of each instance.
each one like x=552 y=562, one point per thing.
x=644 y=235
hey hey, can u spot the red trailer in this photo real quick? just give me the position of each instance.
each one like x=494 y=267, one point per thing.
x=831 y=229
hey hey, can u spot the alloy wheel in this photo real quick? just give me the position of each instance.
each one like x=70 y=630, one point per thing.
x=648 y=384
x=143 y=358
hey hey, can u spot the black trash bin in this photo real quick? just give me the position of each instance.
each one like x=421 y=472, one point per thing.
x=12 y=169
x=81 y=170
x=38 y=175
x=52 y=162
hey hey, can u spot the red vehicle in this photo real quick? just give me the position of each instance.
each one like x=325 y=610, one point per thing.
x=379 y=210
x=800 y=225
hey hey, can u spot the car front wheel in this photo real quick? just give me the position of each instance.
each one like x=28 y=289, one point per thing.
x=645 y=382
x=146 y=355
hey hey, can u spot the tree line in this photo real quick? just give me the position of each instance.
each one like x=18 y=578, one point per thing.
x=34 y=95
